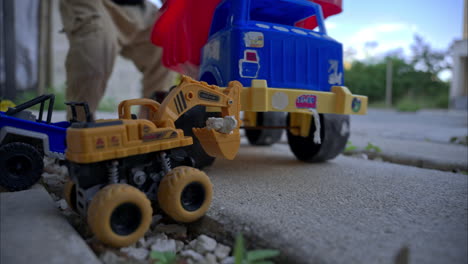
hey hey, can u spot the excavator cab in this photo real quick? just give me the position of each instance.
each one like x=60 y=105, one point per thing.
x=148 y=108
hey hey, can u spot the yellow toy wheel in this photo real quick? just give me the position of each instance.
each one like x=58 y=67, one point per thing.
x=119 y=215
x=185 y=194
x=69 y=193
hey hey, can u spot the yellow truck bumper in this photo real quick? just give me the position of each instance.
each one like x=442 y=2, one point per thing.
x=260 y=98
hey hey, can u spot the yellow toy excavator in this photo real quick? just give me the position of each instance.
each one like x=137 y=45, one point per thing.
x=118 y=166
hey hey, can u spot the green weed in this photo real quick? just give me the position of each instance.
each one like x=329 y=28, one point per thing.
x=261 y=256
x=372 y=148
x=459 y=140
x=163 y=257
x=350 y=147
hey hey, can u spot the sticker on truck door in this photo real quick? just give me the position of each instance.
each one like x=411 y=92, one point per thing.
x=335 y=76
x=249 y=65
x=253 y=39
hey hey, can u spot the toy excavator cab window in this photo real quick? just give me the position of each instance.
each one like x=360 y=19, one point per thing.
x=142 y=112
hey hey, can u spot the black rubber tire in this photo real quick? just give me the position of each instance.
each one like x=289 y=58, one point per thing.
x=333 y=134
x=266 y=137
x=185 y=194
x=21 y=166
x=195 y=117
x=69 y=193
x=119 y=215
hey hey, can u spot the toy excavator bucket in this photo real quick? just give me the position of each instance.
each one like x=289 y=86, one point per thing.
x=215 y=141
x=218 y=145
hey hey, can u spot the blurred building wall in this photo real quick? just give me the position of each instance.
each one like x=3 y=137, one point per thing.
x=459 y=85
x=19 y=44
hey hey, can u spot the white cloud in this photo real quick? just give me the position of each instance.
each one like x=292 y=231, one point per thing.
x=330 y=25
x=385 y=37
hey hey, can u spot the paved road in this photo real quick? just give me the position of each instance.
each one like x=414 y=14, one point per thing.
x=419 y=139
x=425 y=125
x=344 y=211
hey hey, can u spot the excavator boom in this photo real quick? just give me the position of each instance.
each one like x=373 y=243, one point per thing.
x=190 y=93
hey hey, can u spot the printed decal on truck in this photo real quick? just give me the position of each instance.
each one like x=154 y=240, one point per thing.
x=208 y=96
x=180 y=103
x=249 y=65
x=306 y=101
x=159 y=135
x=279 y=100
x=100 y=143
x=335 y=76
x=356 y=104
x=253 y=39
x=115 y=141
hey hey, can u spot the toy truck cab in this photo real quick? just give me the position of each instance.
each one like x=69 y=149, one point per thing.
x=264 y=40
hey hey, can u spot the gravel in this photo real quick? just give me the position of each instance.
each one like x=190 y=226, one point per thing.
x=164 y=235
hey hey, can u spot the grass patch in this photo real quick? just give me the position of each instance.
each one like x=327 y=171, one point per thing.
x=260 y=256
x=378 y=105
x=59 y=102
x=413 y=104
x=407 y=104
x=107 y=104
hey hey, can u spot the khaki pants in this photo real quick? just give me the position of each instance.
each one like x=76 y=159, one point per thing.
x=99 y=30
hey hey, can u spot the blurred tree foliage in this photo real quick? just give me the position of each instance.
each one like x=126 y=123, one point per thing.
x=413 y=80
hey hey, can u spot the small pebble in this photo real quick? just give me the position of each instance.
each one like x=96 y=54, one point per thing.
x=137 y=253
x=62 y=204
x=210 y=259
x=228 y=260
x=205 y=244
x=222 y=251
x=163 y=245
x=192 y=255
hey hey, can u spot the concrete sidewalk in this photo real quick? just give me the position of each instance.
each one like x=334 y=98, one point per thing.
x=347 y=210
x=429 y=155
x=32 y=230
x=420 y=139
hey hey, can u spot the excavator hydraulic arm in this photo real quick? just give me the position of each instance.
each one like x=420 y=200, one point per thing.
x=217 y=140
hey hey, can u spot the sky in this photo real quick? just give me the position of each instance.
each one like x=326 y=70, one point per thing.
x=392 y=24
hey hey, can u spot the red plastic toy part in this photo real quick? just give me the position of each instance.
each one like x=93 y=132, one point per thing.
x=183 y=26
x=329 y=8
x=182 y=30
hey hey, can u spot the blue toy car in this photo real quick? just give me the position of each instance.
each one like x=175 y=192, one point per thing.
x=25 y=139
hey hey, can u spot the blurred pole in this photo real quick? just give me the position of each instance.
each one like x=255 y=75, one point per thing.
x=389 y=82
x=45 y=77
x=8 y=90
